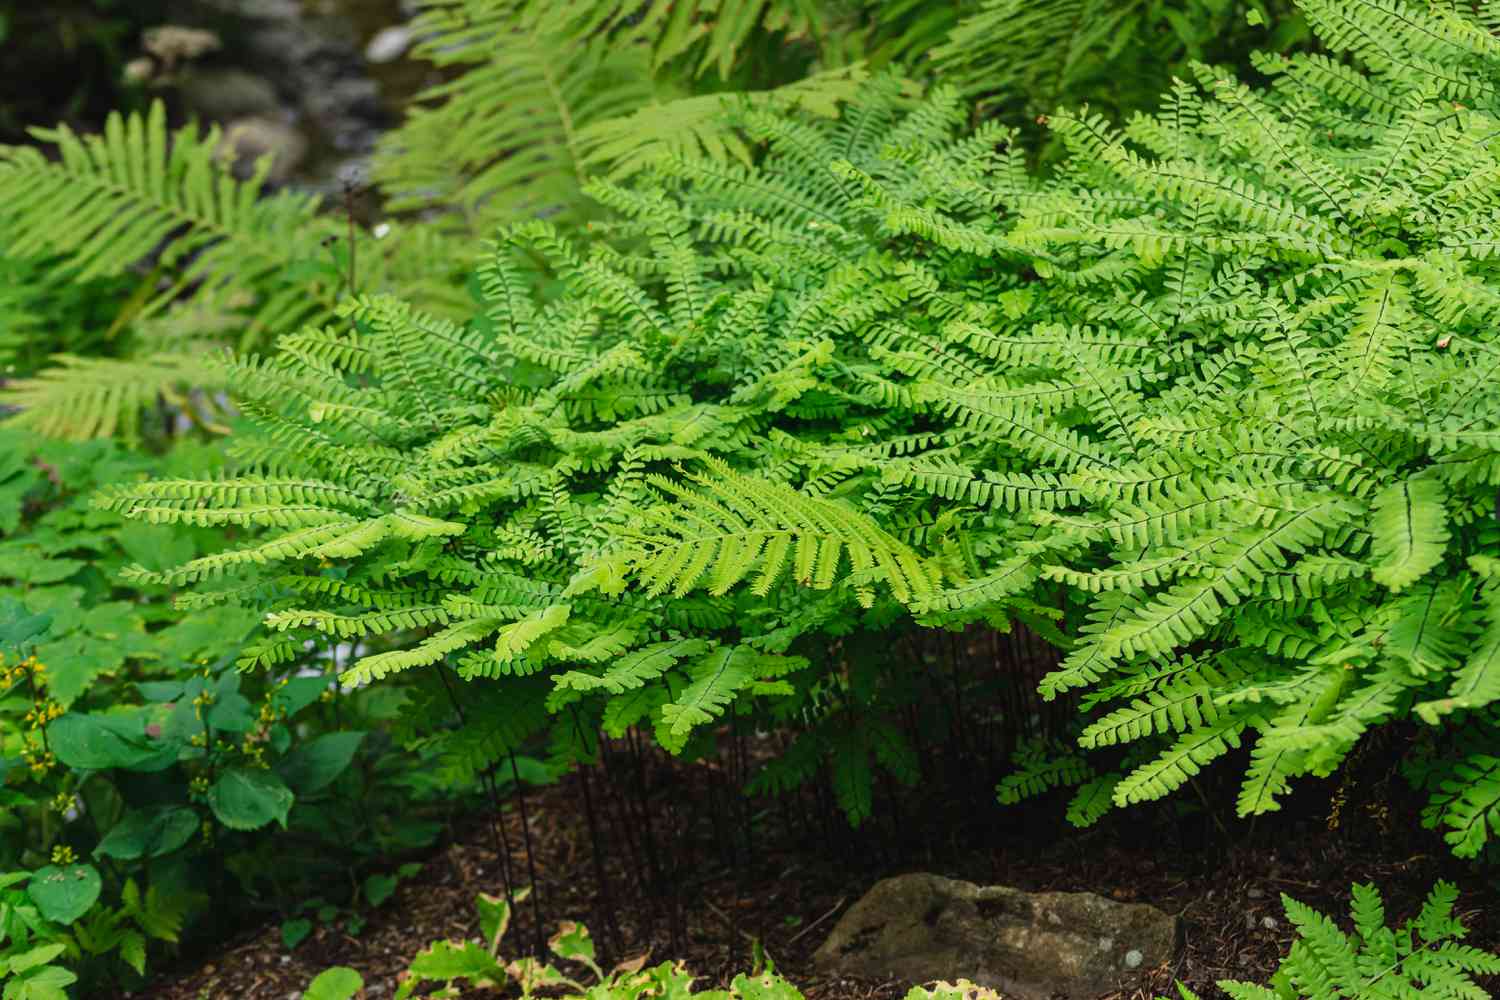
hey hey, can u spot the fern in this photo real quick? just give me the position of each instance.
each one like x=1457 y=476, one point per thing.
x=227 y=265
x=1424 y=956
x=1216 y=396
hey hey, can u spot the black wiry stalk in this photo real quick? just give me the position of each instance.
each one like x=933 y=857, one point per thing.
x=536 y=906
x=493 y=820
x=618 y=784
x=595 y=847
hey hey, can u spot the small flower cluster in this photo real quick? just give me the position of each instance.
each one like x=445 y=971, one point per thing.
x=43 y=710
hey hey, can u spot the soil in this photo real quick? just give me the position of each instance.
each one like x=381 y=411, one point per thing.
x=789 y=887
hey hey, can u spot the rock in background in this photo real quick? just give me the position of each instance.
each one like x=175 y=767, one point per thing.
x=1030 y=946
x=312 y=83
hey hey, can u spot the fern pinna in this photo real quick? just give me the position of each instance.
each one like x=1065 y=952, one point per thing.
x=1217 y=397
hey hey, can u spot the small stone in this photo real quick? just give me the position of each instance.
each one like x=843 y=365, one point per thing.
x=139 y=71
x=1269 y=923
x=173 y=43
x=248 y=139
x=1133 y=959
x=225 y=94
x=389 y=44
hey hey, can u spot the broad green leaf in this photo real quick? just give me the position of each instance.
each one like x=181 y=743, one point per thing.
x=337 y=983
x=232 y=713
x=458 y=960
x=98 y=742
x=247 y=798
x=299 y=692
x=294 y=932
x=494 y=918
x=40 y=955
x=149 y=833
x=315 y=765
x=63 y=894
x=378 y=888
x=20 y=627
x=75 y=661
x=160 y=690
x=572 y=941
x=48 y=983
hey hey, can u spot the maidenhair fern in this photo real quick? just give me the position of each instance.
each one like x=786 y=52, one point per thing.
x=1024 y=58
x=557 y=491
x=1218 y=397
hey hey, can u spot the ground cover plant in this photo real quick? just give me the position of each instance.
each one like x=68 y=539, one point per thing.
x=478 y=965
x=143 y=775
x=739 y=401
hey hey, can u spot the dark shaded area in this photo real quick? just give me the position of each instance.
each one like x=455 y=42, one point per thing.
x=64 y=59
x=657 y=854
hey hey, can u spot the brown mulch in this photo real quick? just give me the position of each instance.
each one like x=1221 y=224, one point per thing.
x=799 y=880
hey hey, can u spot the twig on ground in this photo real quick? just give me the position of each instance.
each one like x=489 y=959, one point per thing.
x=834 y=909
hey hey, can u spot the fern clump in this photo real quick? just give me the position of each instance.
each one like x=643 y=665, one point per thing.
x=634 y=490
x=1270 y=316
x=1211 y=408
x=1425 y=956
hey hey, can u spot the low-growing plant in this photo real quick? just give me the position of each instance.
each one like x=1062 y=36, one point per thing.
x=477 y=965
x=140 y=773
x=1423 y=957
x=351 y=917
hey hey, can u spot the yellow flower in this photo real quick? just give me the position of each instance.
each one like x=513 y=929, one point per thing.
x=62 y=854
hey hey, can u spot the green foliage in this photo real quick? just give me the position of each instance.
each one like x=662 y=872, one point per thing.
x=1424 y=957
x=337 y=983
x=1217 y=396
x=1284 y=464
x=501 y=497
x=196 y=260
x=139 y=773
x=1025 y=58
x=538 y=99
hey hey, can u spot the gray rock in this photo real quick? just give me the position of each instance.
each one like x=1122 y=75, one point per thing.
x=246 y=140
x=222 y=94
x=1029 y=946
x=388 y=44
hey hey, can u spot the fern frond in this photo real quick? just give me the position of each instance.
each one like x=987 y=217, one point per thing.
x=1408 y=532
